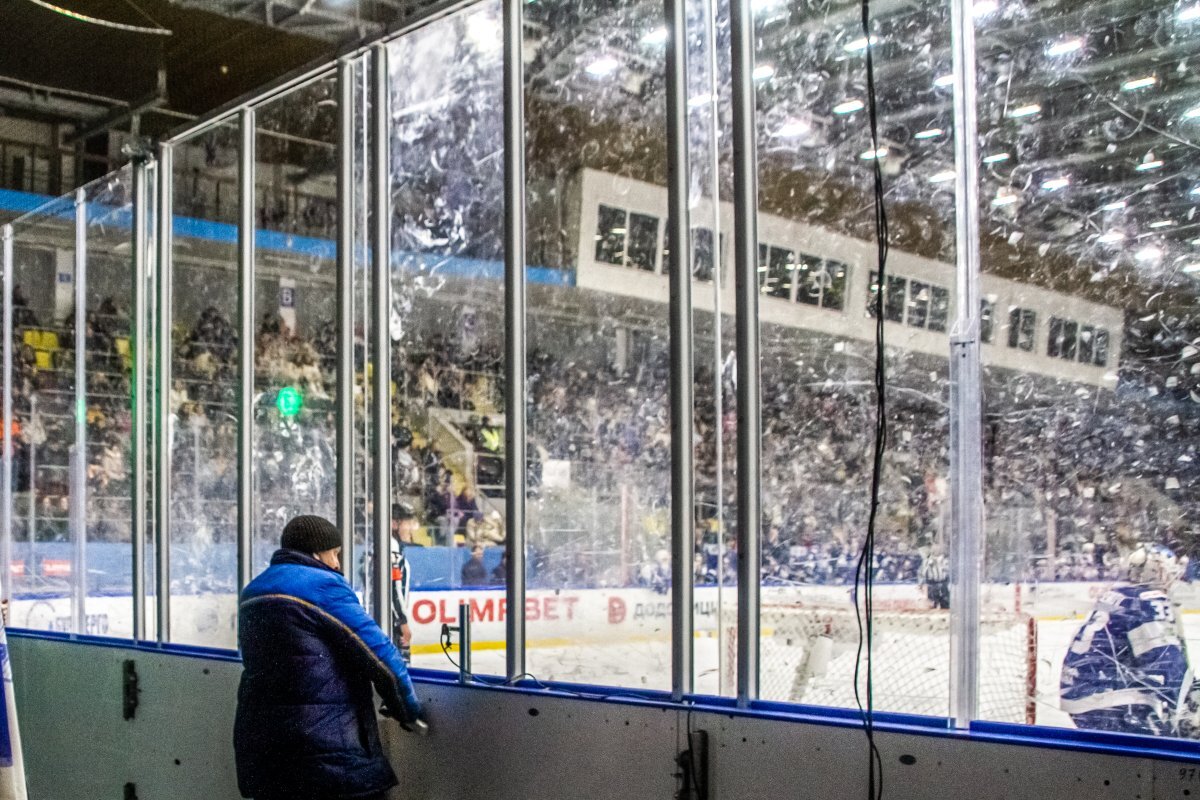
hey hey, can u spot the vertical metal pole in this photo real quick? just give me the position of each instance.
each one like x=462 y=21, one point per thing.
x=464 y=641
x=381 y=527
x=749 y=427
x=714 y=111
x=966 y=425
x=683 y=501
x=162 y=399
x=514 y=327
x=141 y=241
x=79 y=463
x=245 y=422
x=363 y=245
x=345 y=314
x=6 y=493
x=31 y=566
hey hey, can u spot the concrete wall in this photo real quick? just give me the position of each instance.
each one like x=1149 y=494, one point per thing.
x=505 y=743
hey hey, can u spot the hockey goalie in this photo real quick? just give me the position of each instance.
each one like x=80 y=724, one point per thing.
x=1127 y=668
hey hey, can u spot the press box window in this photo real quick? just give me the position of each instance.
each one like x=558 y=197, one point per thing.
x=919 y=297
x=1022 y=323
x=643 y=241
x=939 y=308
x=1062 y=340
x=987 y=314
x=703 y=256
x=610 y=237
x=776 y=266
x=1092 y=344
x=1100 y=348
x=821 y=282
x=626 y=239
x=894 y=295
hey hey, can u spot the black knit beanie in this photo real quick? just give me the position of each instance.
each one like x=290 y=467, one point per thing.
x=309 y=533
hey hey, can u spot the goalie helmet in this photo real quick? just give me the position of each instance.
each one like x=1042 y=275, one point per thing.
x=1153 y=565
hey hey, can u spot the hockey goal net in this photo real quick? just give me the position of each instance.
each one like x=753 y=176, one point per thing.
x=807 y=655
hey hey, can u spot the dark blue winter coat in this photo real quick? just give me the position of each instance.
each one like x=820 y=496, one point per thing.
x=306 y=718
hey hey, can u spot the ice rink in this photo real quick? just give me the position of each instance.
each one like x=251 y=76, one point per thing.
x=620 y=638
x=645 y=664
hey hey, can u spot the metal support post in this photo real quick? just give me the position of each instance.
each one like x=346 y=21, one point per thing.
x=514 y=327
x=345 y=314
x=749 y=390
x=464 y=641
x=381 y=412
x=6 y=498
x=966 y=400
x=245 y=421
x=162 y=397
x=683 y=501
x=78 y=482
x=141 y=241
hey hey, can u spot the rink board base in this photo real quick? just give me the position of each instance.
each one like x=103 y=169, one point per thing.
x=519 y=744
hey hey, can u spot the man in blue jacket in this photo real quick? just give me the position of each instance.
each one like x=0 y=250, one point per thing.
x=305 y=726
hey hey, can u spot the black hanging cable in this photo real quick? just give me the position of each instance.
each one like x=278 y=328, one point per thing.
x=864 y=579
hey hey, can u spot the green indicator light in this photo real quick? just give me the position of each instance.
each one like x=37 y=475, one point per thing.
x=289 y=401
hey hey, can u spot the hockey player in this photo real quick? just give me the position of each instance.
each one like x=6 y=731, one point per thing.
x=1127 y=668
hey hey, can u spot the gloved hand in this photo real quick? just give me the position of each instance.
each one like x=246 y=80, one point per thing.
x=1188 y=719
x=418 y=724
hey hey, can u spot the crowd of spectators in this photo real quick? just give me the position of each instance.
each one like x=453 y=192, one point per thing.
x=43 y=377
x=1058 y=486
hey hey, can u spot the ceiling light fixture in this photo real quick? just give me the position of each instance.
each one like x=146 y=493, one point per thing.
x=605 y=65
x=1054 y=184
x=1004 y=199
x=656 y=37
x=1025 y=111
x=1161 y=223
x=1148 y=254
x=1146 y=166
x=793 y=128
x=942 y=81
x=1065 y=47
x=929 y=133
x=1133 y=84
x=870 y=154
x=848 y=107
x=859 y=44
x=1116 y=205
x=1189 y=14
x=1112 y=237
x=996 y=158
x=942 y=177
x=763 y=71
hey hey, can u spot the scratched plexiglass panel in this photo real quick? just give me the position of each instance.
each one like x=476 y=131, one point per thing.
x=597 y=352
x=1088 y=123
x=447 y=330
x=295 y=300
x=818 y=281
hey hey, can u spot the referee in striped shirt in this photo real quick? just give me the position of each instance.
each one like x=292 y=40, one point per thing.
x=935 y=574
